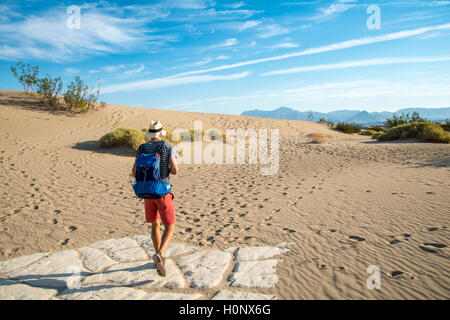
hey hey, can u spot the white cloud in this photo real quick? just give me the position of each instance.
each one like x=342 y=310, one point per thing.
x=287 y=45
x=248 y=25
x=357 y=63
x=332 y=47
x=47 y=37
x=169 y=81
x=272 y=30
x=202 y=62
x=138 y=69
x=227 y=43
x=71 y=71
x=236 y=5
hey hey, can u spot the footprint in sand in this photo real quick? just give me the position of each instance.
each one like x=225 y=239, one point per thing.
x=288 y=230
x=427 y=249
x=72 y=228
x=65 y=242
x=436 y=245
x=359 y=239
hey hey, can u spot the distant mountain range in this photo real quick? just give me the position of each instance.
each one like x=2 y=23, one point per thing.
x=350 y=116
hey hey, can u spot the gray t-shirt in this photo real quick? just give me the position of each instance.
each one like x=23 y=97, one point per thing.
x=167 y=151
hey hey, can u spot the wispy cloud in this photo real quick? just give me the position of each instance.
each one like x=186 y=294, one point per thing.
x=169 y=81
x=227 y=43
x=202 y=62
x=332 y=47
x=332 y=10
x=47 y=37
x=271 y=30
x=286 y=45
x=357 y=63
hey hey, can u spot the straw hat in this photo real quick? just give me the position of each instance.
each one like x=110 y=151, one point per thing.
x=155 y=130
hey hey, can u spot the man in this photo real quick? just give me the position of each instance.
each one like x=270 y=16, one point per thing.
x=160 y=207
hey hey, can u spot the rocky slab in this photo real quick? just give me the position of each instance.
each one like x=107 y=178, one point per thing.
x=204 y=269
x=13 y=290
x=122 y=269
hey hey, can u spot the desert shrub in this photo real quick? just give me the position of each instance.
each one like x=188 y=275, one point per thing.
x=211 y=134
x=330 y=124
x=79 y=98
x=27 y=75
x=368 y=132
x=376 y=128
x=377 y=134
x=348 y=128
x=426 y=131
x=49 y=90
x=446 y=125
x=403 y=119
x=123 y=136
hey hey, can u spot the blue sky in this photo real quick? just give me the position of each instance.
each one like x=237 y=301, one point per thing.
x=232 y=56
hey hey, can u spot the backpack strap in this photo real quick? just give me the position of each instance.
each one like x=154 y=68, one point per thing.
x=158 y=150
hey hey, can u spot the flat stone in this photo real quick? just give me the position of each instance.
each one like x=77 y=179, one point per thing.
x=53 y=271
x=233 y=295
x=13 y=290
x=142 y=274
x=109 y=292
x=20 y=262
x=204 y=269
x=254 y=274
x=171 y=296
x=258 y=253
x=95 y=260
x=176 y=249
x=112 y=245
x=129 y=255
x=103 y=292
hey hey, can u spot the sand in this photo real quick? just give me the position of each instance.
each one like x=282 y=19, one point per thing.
x=344 y=205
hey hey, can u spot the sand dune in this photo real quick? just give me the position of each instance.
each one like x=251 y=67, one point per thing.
x=344 y=205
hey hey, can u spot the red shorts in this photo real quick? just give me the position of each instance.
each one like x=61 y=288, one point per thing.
x=163 y=207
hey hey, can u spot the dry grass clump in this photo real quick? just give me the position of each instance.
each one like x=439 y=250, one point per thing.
x=123 y=136
x=318 y=138
x=133 y=138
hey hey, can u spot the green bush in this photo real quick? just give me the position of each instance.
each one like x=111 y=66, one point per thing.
x=368 y=132
x=79 y=98
x=446 y=125
x=348 y=128
x=50 y=90
x=396 y=121
x=27 y=75
x=376 y=128
x=123 y=136
x=426 y=131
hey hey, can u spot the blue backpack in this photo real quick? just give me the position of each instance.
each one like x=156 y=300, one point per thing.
x=148 y=180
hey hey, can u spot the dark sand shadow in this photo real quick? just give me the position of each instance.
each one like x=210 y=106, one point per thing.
x=438 y=162
x=94 y=146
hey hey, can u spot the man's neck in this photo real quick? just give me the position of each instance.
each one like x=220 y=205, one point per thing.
x=156 y=139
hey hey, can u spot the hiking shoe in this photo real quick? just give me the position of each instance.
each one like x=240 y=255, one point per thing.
x=159 y=262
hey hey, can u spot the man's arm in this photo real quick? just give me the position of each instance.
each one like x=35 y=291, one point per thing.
x=173 y=168
x=133 y=171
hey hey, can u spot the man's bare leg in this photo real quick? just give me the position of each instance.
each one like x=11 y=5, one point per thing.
x=156 y=236
x=166 y=238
